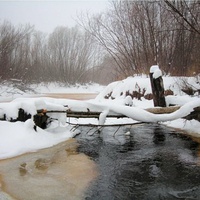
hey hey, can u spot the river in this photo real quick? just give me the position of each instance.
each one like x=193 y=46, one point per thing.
x=147 y=161
x=153 y=162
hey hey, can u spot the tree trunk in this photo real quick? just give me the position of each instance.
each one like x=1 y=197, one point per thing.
x=158 y=91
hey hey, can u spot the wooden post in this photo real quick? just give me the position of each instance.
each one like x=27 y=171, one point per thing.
x=157 y=86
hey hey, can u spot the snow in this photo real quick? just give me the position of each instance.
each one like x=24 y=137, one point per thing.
x=157 y=74
x=10 y=90
x=20 y=137
x=155 y=70
x=128 y=101
x=130 y=84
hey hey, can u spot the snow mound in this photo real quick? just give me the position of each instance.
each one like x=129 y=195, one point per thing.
x=20 y=137
x=140 y=86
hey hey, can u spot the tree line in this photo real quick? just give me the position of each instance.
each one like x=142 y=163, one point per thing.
x=138 y=34
x=125 y=40
x=65 y=55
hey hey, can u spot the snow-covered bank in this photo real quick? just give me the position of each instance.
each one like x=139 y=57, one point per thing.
x=10 y=90
x=141 y=84
x=192 y=127
x=20 y=137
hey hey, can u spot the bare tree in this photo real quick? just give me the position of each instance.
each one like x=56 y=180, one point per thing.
x=70 y=53
x=186 y=17
x=127 y=32
x=190 y=13
x=138 y=34
x=11 y=40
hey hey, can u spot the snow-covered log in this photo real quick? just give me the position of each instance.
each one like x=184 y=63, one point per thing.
x=60 y=109
x=89 y=114
x=195 y=114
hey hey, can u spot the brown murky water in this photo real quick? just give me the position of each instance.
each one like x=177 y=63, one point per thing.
x=55 y=173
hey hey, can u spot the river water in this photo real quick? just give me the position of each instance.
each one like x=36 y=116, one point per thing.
x=151 y=162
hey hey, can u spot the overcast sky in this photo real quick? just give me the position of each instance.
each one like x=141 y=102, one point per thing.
x=46 y=15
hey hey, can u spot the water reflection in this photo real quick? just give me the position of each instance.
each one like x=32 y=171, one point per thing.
x=154 y=162
x=159 y=136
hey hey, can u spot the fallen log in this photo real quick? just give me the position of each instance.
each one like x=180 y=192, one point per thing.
x=90 y=114
x=42 y=116
x=156 y=110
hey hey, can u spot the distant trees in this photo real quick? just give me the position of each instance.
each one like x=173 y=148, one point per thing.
x=186 y=16
x=13 y=50
x=65 y=55
x=127 y=39
x=70 y=54
x=138 y=34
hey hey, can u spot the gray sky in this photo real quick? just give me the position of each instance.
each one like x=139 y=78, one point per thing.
x=46 y=15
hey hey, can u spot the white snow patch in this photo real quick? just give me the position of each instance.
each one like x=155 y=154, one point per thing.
x=192 y=126
x=19 y=137
x=153 y=68
x=157 y=73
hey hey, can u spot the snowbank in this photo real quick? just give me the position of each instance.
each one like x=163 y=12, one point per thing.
x=141 y=84
x=19 y=137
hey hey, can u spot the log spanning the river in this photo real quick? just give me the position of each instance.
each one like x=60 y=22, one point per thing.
x=156 y=110
x=90 y=114
x=43 y=116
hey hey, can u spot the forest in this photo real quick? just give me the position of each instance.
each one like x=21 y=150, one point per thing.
x=125 y=40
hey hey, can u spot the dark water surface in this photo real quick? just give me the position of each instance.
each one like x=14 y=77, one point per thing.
x=153 y=162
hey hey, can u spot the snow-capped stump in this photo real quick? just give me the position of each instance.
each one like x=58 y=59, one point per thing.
x=157 y=86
